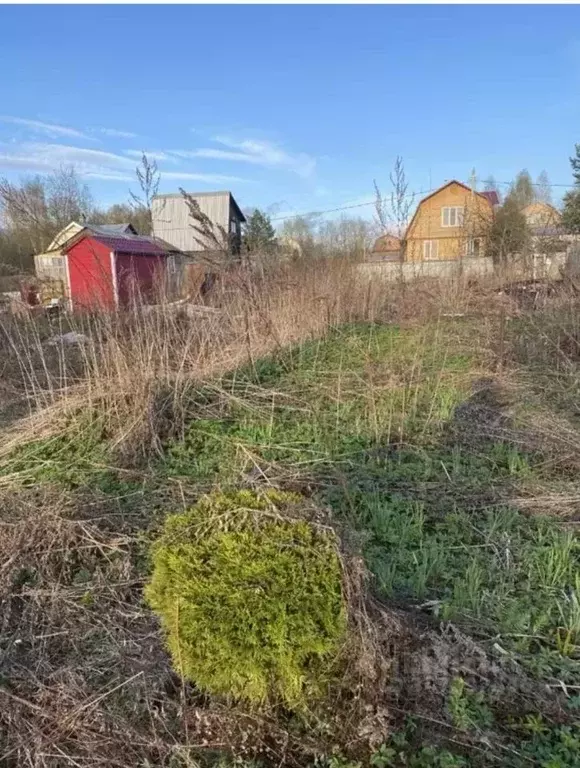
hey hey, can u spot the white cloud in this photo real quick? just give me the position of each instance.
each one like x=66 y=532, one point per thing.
x=263 y=153
x=118 y=134
x=49 y=129
x=37 y=157
x=43 y=158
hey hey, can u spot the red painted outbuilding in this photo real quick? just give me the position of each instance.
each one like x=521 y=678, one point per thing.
x=106 y=271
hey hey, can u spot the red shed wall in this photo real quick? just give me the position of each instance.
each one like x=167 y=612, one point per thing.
x=91 y=278
x=139 y=276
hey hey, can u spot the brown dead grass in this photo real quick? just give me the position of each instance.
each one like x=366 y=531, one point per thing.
x=84 y=678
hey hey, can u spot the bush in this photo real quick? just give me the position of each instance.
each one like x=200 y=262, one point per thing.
x=251 y=600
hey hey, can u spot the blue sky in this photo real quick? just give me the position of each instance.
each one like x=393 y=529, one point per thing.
x=293 y=108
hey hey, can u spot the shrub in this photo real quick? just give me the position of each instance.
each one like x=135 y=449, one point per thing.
x=251 y=600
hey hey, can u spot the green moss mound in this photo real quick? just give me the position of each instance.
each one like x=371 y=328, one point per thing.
x=250 y=597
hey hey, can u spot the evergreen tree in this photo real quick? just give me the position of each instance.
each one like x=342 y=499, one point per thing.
x=260 y=235
x=543 y=189
x=575 y=163
x=509 y=232
x=571 y=212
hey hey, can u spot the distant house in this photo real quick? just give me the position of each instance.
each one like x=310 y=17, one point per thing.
x=173 y=223
x=50 y=265
x=543 y=219
x=105 y=269
x=450 y=223
x=386 y=248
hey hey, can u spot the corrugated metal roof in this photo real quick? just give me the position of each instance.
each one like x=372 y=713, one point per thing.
x=128 y=243
x=112 y=229
x=491 y=195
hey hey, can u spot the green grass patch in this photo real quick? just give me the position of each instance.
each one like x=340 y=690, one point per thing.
x=323 y=401
x=426 y=538
x=75 y=457
x=363 y=413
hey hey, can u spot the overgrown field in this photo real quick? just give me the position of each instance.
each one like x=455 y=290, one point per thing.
x=431 y=472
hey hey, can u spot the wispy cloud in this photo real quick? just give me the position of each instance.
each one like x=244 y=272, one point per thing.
x=43 y=158
x=138 y=154
x=263 y=153
x=118 y=134
x=49 y=129
x=206 y=178
x=94 y=163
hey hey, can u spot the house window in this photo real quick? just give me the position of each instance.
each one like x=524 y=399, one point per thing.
x=474 y=247
x=233 y=227
x=452 y=216
x=429 y=250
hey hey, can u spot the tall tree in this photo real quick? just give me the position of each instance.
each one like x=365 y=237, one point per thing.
x=571 y=210
x=522 y=191
x=543 y=188
x=259 y=233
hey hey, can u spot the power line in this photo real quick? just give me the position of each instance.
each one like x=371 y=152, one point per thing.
x=533 y=183
x=306 y=214
x=348 y=207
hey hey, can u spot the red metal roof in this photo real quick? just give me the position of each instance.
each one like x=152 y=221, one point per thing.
x=492 y=196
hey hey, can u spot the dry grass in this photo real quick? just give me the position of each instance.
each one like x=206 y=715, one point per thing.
x=137 y=364
x=84 y=678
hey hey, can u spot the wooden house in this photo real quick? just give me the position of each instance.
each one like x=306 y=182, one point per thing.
x=172 y=221
x=451 y=223
x=542 y=218
x=386 y=248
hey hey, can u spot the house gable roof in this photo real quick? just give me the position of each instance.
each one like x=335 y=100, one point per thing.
x=436 y=192
x=386 y=243
x=65 y=234
x=541 y=206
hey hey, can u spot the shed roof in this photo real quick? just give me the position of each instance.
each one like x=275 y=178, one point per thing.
x=72 y=230
x=138 y=245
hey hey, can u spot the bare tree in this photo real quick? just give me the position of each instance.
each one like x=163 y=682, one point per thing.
x=35 y=210
x=543 y=188
x=148 y=177
x=393 y=212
